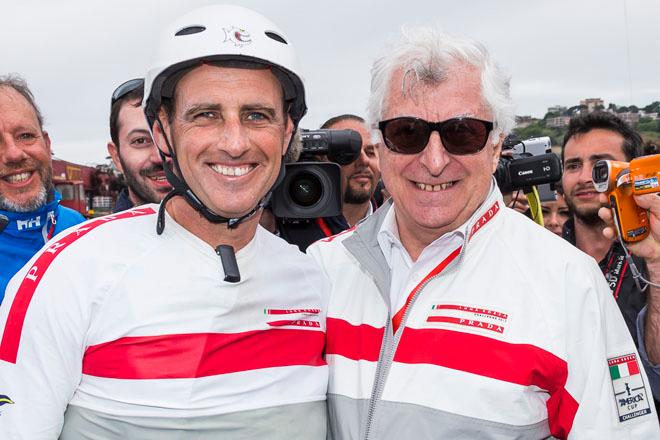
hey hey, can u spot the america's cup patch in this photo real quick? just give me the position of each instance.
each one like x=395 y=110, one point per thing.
x=461 y=317
x=630 y=394
x=307 y=317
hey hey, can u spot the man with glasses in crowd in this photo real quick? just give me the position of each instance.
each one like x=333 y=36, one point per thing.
x=132 y=149
x=443 y=339
x=30 y=211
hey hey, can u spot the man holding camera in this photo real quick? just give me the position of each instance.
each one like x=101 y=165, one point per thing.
x=429 y=333
x=592 y=137
x=209 y=326
x=359 y=180
x=132 y=149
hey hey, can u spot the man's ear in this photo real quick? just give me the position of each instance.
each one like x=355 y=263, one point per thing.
x=47 y=141
x=287 y=134
x=113 y=151
x=497 y=151
x=158 y=134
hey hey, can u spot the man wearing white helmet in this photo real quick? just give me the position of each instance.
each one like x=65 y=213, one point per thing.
x=195 y=323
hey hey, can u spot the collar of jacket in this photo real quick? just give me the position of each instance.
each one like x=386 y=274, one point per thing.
x=33 y=220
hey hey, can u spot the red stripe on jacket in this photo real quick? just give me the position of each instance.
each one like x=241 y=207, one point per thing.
x=522 y=364
x=354 y=342
x=193 y=355
x=11 y=337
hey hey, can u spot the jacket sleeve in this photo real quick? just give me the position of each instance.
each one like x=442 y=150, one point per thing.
x=43 y=323
x=652 y=371
x=605 y=376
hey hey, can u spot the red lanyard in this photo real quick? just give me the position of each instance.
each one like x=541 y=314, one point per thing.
x=485 y=218
x=396 y=320
x=51 y=230
x=324 y=227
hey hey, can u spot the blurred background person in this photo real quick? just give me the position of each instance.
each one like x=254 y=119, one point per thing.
x=132 y=149
x=30 y=211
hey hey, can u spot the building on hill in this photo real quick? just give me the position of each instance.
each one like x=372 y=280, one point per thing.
x=524 y=121
x=557 y=122
x=559 y=109
x=592 y=104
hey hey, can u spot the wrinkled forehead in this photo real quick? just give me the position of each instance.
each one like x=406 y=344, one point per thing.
x=12 y=102
x=171 y=86
x=458 y=85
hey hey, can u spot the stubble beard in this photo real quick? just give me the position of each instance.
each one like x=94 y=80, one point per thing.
x=36 y=202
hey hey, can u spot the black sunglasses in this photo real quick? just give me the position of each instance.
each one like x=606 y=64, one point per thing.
x=125 y=88
x=460 y=136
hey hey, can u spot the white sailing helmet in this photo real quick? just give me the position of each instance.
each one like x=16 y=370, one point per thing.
x=223 y=33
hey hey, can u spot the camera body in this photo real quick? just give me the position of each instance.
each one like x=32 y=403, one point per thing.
x=531 y=163
x=312 y=188
x=620 y=181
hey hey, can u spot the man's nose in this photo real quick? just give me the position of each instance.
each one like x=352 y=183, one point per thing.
x=434 y=157
x=11 y=151
x=234 y=137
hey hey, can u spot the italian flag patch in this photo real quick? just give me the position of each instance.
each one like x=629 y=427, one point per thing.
x=624 y=369
x=630 y=393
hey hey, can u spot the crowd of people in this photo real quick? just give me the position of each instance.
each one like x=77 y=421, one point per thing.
x=436 y=311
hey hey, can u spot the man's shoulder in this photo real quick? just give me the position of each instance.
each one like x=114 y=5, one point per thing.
x=108 y=234
x=69 y=217
x=520 y=232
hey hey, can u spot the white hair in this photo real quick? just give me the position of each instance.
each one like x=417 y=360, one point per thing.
x=426 y=54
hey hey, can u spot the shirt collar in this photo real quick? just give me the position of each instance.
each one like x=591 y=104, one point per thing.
x=388 y=234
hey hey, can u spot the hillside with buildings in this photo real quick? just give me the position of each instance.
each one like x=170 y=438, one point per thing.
x=554 y=123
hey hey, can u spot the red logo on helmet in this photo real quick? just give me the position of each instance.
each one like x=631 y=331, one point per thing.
x=237 y=36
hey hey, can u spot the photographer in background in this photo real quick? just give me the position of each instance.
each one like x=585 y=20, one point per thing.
x=590 y=138
x=359 y=180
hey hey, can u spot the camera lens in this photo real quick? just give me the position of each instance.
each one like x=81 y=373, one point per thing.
x=305 y=189
x=599 y=173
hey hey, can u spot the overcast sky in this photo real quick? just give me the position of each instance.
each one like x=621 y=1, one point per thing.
x=74 y=53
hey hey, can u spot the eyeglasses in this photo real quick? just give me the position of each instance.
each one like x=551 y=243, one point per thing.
x=460 y=136
x=125 y=88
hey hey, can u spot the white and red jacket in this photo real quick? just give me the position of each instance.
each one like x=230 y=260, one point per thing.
x=137 y=336
x=515 y=335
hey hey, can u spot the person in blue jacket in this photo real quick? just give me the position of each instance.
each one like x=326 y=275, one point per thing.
x=30 y=213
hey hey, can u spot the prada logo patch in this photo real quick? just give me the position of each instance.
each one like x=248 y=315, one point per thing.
x=478 y=318
x=293 y=317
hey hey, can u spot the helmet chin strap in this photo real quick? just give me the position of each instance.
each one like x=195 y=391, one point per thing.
x=181 y=188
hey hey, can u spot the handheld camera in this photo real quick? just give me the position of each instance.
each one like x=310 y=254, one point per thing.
x=312 y=188
x=622 y=180
x=531 y=164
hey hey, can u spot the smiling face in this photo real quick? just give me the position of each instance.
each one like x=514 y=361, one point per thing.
x=25 y=164
x=229 y=132
x=435 y=192
x=137 y=157
x=581 y=152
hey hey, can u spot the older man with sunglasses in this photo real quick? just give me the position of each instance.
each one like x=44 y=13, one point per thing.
x=427 y=335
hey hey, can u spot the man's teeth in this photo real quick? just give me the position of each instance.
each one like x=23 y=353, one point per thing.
x=432 y=188
x=18 y=178
x=231 y=171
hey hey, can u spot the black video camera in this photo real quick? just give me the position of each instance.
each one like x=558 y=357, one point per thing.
x=530 y=164
x=312 y=188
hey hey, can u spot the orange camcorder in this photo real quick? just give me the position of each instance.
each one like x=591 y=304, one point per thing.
x=622 y=180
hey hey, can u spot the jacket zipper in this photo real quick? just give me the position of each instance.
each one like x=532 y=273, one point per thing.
x=383 y=368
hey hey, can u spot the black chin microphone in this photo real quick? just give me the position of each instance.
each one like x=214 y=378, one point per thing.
x=4 y=221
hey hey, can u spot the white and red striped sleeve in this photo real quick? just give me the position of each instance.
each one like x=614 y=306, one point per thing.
x=43 y=322
x=600 y=401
